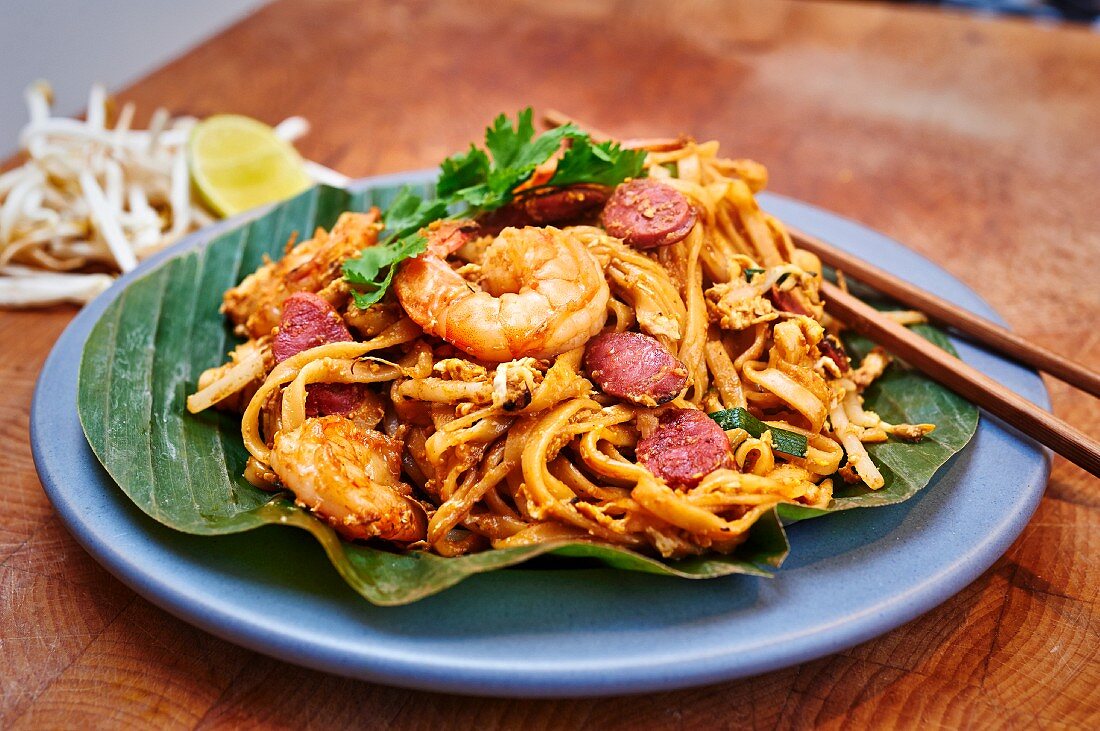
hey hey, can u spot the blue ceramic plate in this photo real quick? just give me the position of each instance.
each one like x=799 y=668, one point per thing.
x=851 y=576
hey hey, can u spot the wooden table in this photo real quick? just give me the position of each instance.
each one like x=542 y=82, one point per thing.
x=972 y=140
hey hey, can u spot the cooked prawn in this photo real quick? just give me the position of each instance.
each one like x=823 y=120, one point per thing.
x=542 y=293
x=256 y=304
x=348 y=476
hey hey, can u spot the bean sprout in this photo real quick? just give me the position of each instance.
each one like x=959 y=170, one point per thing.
x=91 y=201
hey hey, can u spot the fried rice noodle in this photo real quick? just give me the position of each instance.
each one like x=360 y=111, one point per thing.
x=526 y=451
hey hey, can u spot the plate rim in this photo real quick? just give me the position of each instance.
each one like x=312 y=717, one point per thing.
x=580 y=678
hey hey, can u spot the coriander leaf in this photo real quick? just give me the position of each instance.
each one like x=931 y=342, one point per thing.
x=516 y=149
x=409 y=213
x=372 y=271
x=364 y=269
x=504 y=142
x=479 y=197
x=545 y=145
x=462 y=171
x=604 y=164
x=485 y=181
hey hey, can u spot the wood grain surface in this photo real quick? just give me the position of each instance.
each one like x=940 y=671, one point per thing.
x=973 y=141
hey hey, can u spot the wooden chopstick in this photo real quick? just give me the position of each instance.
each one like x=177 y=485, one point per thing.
x=969 y=383
x=945 y=313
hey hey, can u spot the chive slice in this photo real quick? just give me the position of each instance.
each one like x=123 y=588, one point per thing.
x=787 y=442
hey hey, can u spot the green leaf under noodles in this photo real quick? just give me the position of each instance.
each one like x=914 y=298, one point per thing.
x=146 y=352
x=902 y=395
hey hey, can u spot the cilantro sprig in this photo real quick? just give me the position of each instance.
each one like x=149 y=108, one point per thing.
x=603 y=164
x=371 y=273
x=486 y=179
x=408 y=213
x=480 y=180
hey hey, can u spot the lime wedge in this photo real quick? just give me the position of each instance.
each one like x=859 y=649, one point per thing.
x=238 y=163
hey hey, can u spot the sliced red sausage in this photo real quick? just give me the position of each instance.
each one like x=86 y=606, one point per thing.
x=551 y=206
x=325 y=399
x=309 y=321
x=634 y=366
x=564 y=205
x=646 y=214
x=832 y=348
x=686 y=445
x=785 y=301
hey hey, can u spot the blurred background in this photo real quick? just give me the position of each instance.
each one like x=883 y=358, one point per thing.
x=74 y=43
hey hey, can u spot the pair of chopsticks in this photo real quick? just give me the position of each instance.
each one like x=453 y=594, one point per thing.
x=944 y=368
x=937 y=364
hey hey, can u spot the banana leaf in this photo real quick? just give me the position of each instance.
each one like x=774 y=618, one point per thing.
x=146 y=352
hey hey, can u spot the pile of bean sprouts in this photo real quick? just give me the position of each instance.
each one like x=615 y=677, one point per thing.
x=92 y=200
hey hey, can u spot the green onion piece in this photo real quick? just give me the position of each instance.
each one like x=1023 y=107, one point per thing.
x=752 y=272
x=787 y=442
x=672 y=168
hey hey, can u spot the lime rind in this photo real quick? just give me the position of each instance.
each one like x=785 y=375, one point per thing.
x=238 y=163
